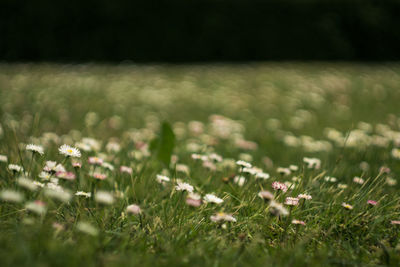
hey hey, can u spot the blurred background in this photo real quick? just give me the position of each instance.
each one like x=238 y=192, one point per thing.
x=199 y=30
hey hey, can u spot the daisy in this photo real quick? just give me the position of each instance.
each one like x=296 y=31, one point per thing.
x=51 y=166
x=210 y=198
x=358 y=180
x=104 y=197
x=292 y=201
x=279 y=186
x=113 y=147
x=277 y=209
x=62 y=195
x=215 y=157
x=222 y=216
x=26 y=183
x=347 y=206
x=182 y=168
x=298 y=222
x=283 y=171
x=69 y=151
x=3 y=158
x=251 y=171
x=243 y=164
x=83 y=194
x=294 y=168
x=66 y=175
x=99 y=176
x=35 y=149
x=304 y=196
x=312 y=163
x=390 y=181
x=342 y=186
x=133 y=209
x=330 y=179
x=77 y=165
x=11 y=196
x=194 y=200
x=262 y=175
x=87 y=228
x=37 y=207
x=125 y=169
x=266 y=195
x=95 y=161
x=162 y=179
x=107 y=166
x=15 y=168
x=184 y=187
x=45 y=175
x=240 y=180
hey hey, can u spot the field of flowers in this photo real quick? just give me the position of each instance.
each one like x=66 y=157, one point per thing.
x=202 y=165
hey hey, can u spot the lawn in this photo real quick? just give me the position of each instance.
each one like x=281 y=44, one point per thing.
x=275 y=164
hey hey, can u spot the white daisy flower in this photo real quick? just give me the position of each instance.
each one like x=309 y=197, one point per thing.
x=262 y=175
x=184 y=187
x=104 y=197
x=304 y=196
x=107 y=166
x=3 y=158
x=62 y=196
x=26 y=183
x=39 y=184
x=243 y=164
x=133 y=209
x=69 y=151
x=277 y=209
x=210 y=198
x=240 y=180
x=11 y=196
x=222 y=216
x=15 y=168
x=87 y=228
x=162 y=179
x=358 y=180
x=83 y=194
x=45 y=176
x=342 y=186
x=330 y=179
x=37 y=207
x=35 y=149
x=312 y=163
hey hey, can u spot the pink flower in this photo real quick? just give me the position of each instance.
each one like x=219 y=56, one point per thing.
x=133 y=209
x=395 y=222
x=384 y=169
x=126 y=169
x=372 y=202
x=66 y=175
x=279 y=186
x=95 y=161
x=298 y=222
x=77 y=165
x=193 y=202
x=292 y=201
x=99 y=176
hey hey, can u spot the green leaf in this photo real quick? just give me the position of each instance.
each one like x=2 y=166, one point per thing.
x=163 y=145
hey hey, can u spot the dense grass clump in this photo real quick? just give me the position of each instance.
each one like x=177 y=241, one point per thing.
x=259 y=165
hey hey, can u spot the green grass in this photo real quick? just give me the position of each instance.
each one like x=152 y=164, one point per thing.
x=285 y=109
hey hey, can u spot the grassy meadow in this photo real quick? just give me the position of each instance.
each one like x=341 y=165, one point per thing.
x=276 y=164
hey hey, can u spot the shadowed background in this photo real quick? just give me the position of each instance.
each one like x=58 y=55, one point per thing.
x=199 y=30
